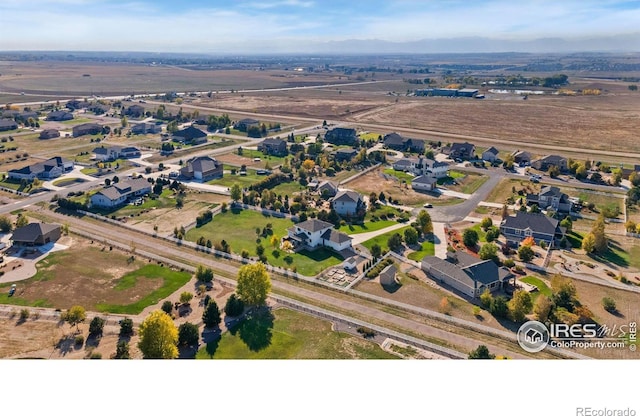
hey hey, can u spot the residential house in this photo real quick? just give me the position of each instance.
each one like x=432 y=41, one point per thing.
x=47 y=170
x=404 y=144
x=49 y=134
x=97 y=108
x=539 y=226
x=77 y=104
x=86 y=129
x=552 y=160
x=146 y=128
x=115 y=152
x=59 y=116
x=551 y=197
x=25 y=116
x=36 y=234
x=118 y=193
x=327 y=189
x=190 y=135
x=347 y=153
x=245 y=123
x=421 y=166
x=9 y=113
x=388 y=277
x=202 y=168
x=490 y=155
x=8 y=124
x=464 y=151
x=424 y=183
x=314 y=233
x=521 y=157
x=135 y=111
x=466 y=273
x=348 y=203
x=341 y=136
x=275 y=147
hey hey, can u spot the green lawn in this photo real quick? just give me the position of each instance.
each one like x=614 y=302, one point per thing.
x=244 y=181
x=367 y=227
x=68 y=181
x=287 y=334
x=381 y=240
x=575 y=238
x=12 y=184
x=77 y=121
x=542 y=287
x=473 y=183
x=238 y=228
x=428 y=248
x=481 y=233
x=172 y=281
x=402 y=176
x=288 y=188
x=164 y=200
x=264 y=158
x=370 y=136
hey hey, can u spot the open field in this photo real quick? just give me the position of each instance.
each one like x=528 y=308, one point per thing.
x=95 y=277
x=286 y=334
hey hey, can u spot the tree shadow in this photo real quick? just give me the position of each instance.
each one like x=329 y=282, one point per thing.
x=255 y=329
x=92 y=341
x=66 y=344
x=211 y=337
x=393 y=288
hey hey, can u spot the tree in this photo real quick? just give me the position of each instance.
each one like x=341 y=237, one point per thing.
x=185 y=297
x=609 y=304
x=493 y=234
x=411 y=235
x=96 y=326
x=488 y=251
x=21 y=221
x=445 y=306
x=564 y=292
x=634 y=178
x=567 y=223
x=505 y=211
x=211 y=315
x=124 y=122
x=188 y=334
x=486 y=299
x=126 y=327
x=167 y=307
x=520 y=305
x=5 y=224
x=525 y=253
x=376 y=251
x=600 y=239
x=499 y=307
x=589 y=243
x=394 y=242
x=424 y=222
x=204 y=274
x=236 y=193
x=254 y=284
x=486 y=223
x=122 y=351
x=481 y=353
x=633 y=87
x=158 y=336
x=234 y=306
x=470 y=237
x=75 y=315
x=542 y=308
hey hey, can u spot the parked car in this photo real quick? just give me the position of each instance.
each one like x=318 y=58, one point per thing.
x=12 y=290
x=428 y=206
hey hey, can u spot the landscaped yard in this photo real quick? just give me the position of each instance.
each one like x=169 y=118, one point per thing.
x=381 y=240
x=464 y=182
x=287 y=334
x=402 y=176
x=244 y=181
x=427 y=249
x=97 y=278
x=68 y=181
x=367 y=227
x=542 y=286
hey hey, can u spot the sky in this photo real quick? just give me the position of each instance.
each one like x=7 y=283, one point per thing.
x=222 y=26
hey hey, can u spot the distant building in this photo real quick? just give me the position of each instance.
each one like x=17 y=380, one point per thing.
x=190 y=135
x=421 y=166
x=36 y=234
x=97 y=108
x=202 y=168
x=77 y=104
x=341 y=136
x=86 y=129
x=552 y=160
x=388 y=276
x=146 y=128
x=424 y=183
x=538 y=226
x=347 y=153
x=348 y=203
x=275 y=147
x=447 y=92
x=521 y=157
x=490 y=155
x=135 y=111
x=327 y=189
x=397 y=142
x=120 y=192
x=8 y=124
x=47 y=170
x=49 y=134
x=313 y=233
x=59 y=116
x=244 y=124
x=464 y=151
x=105 y=154
x=551 y=197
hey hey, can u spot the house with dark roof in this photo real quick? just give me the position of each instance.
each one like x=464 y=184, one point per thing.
x=119 y=193
x=244 y=124
x=464 y=151
x=314 y=233
x=25 y=116
x=348 y=203
x=49 y=134
x=9 y=113
x=202 y=168
x=190 y=135
x=466 y=273
x=146 y=128
x=49 y=169
x=76 y=104
x=403 y=144
x=8 y=124
x=36 y=234
x=551 y=197
x=86 y=129
x=341 y=136
x=388 y=277
x=521 y=157
x=490 y=155
x=424 y=183
x=59 y=116
x=523 y=225
x=327 y=189
x=346 y=153
x=275 y=147
x=105 y=154
x=552 y=160
x=97 y=108
x=135 y=111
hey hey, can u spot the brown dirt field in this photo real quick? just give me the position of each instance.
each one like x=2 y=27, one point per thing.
x=374 y=182
x=234 y=159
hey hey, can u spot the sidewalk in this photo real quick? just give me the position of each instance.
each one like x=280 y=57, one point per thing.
x=453 y=193
x=439 y=240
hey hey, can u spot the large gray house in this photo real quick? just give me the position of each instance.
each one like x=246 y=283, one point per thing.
x=348 y=203
x=551 y=197
x=539 y=226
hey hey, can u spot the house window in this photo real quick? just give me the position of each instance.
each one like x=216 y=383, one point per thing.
x=517 y=232
x=527 y=233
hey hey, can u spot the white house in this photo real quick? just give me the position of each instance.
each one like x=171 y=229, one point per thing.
x=118 y=193
x=347 y=203
x=490 y=155
x=422 y=166
x=115 y=152
x=47 y=170
x=315 y=233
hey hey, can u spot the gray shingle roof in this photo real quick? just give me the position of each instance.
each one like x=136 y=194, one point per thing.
x=539 y=223
x=190 y=133
x=467 y=269
x=314 y=225
x=30 y=232
x=424 y=180
x=335 y=236
x=347 y=196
